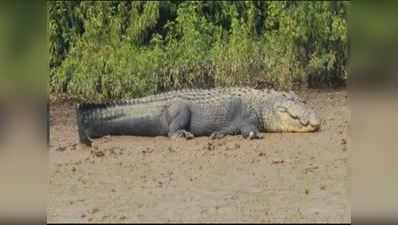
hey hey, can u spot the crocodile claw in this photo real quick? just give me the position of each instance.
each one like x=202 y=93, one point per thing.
x=217 y=135
x=182 y=134
x=253 y=135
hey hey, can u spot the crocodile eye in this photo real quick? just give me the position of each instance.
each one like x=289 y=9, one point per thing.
x=282 y=109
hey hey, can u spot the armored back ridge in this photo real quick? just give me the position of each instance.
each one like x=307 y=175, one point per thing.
x=198 y=112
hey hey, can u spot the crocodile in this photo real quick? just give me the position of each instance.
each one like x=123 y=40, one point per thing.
x=192 y=113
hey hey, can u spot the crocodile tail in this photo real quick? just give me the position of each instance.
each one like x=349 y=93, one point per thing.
x=82 y=125
x=87 y=115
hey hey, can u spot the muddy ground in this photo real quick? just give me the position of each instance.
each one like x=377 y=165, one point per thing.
x=295 y=177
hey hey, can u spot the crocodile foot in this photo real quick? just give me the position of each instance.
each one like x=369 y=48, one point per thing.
x=217 y=135
x=182 y=134
x=253 y=135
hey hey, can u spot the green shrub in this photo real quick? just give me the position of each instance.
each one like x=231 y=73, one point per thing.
x=111 y=50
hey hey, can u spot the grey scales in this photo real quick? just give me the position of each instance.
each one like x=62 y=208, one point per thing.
x=190 y=113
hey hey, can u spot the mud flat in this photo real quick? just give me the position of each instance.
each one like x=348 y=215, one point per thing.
x=290 y=177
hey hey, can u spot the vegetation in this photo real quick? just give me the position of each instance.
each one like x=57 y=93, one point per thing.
x=111 y=49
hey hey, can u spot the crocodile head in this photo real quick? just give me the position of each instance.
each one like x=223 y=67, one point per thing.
x=289 y=113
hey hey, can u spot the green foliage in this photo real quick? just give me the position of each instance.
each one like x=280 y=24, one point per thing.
x=112 y=49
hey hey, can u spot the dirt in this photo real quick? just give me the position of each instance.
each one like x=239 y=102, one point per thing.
x=286 y=177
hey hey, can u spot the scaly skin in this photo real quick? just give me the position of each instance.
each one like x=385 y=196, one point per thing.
x=198 y=112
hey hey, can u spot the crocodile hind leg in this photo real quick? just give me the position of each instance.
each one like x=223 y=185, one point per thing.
x=179 y=118
x=181 y=134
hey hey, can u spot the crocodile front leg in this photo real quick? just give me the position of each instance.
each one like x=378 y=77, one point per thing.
x=233 y=130
x=251 y=132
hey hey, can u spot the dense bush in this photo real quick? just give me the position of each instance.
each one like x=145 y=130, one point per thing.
x=111 y=49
